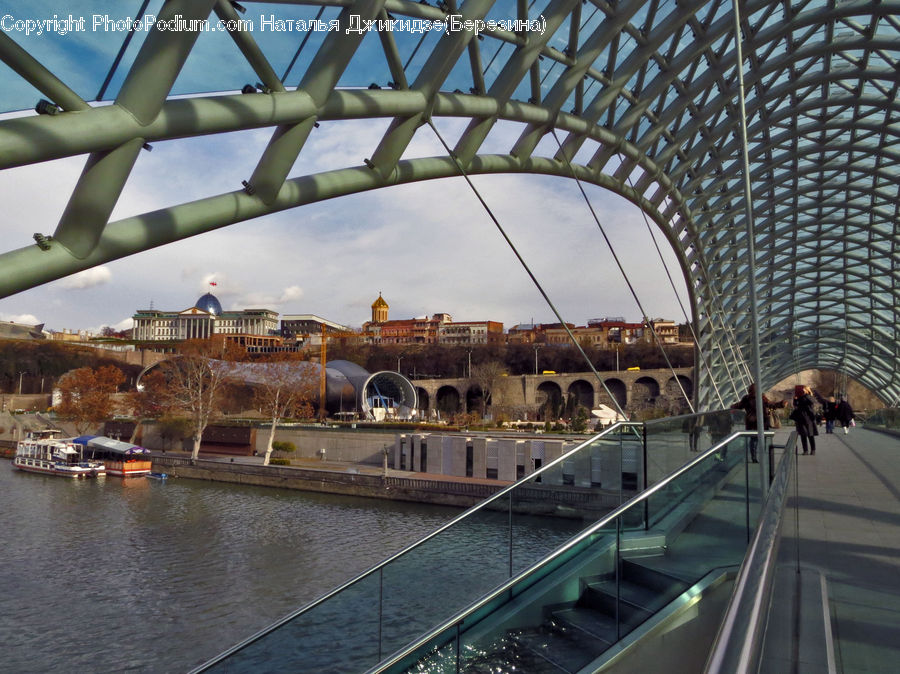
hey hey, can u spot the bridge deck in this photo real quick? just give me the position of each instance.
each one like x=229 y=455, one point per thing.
x=849 y=530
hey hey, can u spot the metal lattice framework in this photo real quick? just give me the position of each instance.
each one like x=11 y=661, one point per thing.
x=642 y=94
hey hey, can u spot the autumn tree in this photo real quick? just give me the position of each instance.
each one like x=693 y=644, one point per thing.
x=149 y=400
x=284 y=389
x=195 y=382
x=86 y=395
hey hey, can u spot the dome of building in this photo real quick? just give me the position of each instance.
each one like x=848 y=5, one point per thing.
x=379 y=302
x=210 y=303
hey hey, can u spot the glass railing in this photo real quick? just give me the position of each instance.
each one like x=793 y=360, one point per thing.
x=606 y=581
x=673 y=441
x=484 y=547
x=771 y=565
x=887 y=418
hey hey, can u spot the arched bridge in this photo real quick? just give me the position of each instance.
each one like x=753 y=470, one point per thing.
x=633 y=391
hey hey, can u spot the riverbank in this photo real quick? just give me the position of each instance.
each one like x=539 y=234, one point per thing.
x=332 y=477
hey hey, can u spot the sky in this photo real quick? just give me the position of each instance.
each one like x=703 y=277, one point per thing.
x=428 y=247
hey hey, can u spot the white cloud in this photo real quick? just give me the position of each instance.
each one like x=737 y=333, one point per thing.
x=22 y=319
x=87 y=279
x=429 y=246
x=290 y=293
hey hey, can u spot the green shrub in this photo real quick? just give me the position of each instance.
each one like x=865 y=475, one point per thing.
x=280 y=446
x=278 y=461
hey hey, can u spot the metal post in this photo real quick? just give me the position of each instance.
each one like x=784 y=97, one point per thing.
x=751 y=259
x=510 y=535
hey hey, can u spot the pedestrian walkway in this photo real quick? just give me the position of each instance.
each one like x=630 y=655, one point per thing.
x=849 y=524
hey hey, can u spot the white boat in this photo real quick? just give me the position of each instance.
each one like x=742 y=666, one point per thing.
x=44 y=452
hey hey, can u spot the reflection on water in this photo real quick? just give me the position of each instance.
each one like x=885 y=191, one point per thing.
x=159 y=576
x=105 y=575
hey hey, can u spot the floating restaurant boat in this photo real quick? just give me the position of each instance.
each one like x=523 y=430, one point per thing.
x=121 y=459
x=43 y=452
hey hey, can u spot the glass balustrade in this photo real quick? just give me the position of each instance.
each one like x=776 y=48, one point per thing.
x=607 y=581
x=361 y=623
x=455 y=566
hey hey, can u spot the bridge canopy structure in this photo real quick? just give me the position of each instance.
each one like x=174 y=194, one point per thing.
x=642 y=97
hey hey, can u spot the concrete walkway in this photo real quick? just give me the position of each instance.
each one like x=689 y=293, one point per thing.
x=849 y=524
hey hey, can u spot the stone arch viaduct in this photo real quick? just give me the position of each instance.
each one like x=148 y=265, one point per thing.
x=632 y=390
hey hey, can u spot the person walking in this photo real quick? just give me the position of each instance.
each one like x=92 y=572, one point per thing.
x=830 y=412
x=804 y=417
x=748 y=405
x=844 y=414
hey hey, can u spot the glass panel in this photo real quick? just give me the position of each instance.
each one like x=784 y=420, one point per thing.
x=445 y=574
x=541 y=617
x=79 y=52
x=598 y=588
x=320 y=637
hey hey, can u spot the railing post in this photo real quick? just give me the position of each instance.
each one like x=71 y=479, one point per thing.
x=644 y=477
x=747 y=441
x=380 y=609
x=509 y=496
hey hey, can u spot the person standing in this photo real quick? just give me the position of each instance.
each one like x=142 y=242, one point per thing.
x=844 y=414
x=830 y=413
x=804 y=416
x=748 y=405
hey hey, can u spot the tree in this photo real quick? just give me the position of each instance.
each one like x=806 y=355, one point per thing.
x=149 y=401
x=485 y=376
x=196 y=380
x=86 y=395
x=287 y=389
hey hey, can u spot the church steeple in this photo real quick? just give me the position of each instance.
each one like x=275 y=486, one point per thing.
x=379 y=310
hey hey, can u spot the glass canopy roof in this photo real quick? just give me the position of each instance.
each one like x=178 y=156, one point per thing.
x=649 y=87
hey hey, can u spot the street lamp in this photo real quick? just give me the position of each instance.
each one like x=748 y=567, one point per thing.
x=469 y=352
x=20 y=381
x=536 y=347
x=399 y=358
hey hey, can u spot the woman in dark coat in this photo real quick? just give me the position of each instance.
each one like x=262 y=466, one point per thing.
x=804 y=417
x=748 y=405
x=830 y=411
x=844 y=414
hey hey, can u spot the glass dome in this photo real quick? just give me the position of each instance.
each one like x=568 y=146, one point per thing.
x=210 y=303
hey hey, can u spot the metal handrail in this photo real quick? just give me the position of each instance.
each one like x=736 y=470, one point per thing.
x=738 y=644
x=571 y=543
x=374 y=569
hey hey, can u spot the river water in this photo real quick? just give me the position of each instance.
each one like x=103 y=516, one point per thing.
x=148 y=576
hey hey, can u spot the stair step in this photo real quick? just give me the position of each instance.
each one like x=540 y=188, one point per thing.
x=599 y=625
x=561 y=647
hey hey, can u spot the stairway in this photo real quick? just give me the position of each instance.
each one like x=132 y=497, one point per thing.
x=575 y=633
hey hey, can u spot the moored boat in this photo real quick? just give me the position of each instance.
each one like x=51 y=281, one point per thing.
x=120 y=458
x=44 y=452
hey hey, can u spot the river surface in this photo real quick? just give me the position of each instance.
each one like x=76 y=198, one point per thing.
x=143 y=575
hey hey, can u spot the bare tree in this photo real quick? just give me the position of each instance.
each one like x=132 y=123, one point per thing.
x=196 y=382
x=485 y=377
x=286 y=389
